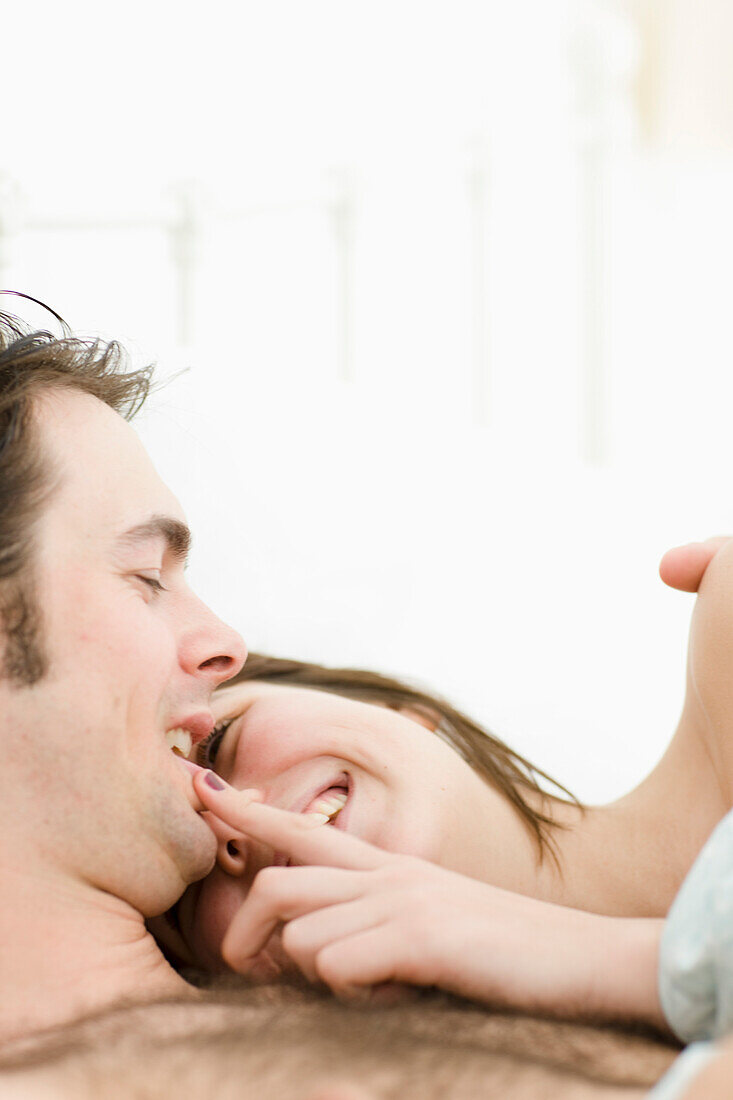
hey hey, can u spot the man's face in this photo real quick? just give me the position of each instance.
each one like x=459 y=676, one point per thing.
x=132 y=654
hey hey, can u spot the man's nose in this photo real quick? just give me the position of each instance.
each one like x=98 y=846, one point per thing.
x=211 y=649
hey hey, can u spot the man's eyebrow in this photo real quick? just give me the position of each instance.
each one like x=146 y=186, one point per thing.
x=175 y=535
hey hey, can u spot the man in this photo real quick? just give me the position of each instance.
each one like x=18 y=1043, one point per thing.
x=108 y=661
x=108 y=658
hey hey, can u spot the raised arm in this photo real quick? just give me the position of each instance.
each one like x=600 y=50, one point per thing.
x=683 y=567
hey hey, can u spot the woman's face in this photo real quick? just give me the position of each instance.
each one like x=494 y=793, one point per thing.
x=382 y=775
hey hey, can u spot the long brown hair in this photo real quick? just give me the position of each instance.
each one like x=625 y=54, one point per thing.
x=507 y=771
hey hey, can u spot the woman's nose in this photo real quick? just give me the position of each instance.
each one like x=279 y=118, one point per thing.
x=231 y=846
x=236 y=854
x=231 y=856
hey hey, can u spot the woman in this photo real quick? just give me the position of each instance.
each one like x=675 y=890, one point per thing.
x=479 y=844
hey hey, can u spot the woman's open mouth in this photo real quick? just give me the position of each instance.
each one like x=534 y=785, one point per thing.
x=332 y=800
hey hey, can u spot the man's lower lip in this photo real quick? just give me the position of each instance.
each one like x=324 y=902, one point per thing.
x=189 y=765
x=190 y=770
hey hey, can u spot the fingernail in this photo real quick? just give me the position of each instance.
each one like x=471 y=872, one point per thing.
x=213 y=780
x=315 y=819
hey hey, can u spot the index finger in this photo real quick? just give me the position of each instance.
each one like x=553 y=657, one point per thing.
x=296 y=835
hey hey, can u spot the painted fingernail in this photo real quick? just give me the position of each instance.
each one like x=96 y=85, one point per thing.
x=213 y=780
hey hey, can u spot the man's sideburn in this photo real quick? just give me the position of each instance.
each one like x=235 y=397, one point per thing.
x=290 y=1042
x=24 y=658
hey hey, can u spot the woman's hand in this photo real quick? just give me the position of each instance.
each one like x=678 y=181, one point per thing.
x=356 y=917
x=683 y=567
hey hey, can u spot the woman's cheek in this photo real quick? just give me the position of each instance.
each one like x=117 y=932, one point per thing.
x=218 y=902
x=410 y=828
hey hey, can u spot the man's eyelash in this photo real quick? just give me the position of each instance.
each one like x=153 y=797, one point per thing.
x=207 y=749
x=152 y=582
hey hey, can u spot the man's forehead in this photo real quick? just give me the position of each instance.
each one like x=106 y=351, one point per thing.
x=58 y=406
x=104 y=478
x=76 y=427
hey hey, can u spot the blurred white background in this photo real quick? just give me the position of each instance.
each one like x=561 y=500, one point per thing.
x=452 y=282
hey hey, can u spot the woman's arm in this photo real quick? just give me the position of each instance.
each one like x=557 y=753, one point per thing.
x=714 y=1075
x=683 y=567
x=356 y=917
x=709 y=696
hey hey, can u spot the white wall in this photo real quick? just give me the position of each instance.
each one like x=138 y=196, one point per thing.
x=458 y=341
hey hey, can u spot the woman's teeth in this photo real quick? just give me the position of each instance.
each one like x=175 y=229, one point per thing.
x=329 y=804
x=179 y=741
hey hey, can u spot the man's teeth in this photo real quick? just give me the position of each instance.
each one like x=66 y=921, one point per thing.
x=180 y=741
x=329 y=804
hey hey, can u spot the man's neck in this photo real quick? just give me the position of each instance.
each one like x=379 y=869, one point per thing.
x=68 y=949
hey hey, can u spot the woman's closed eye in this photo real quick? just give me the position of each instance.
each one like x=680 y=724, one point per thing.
x=207 y=749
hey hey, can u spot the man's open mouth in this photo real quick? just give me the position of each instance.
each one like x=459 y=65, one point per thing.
x=179 y=741
x=187 y=731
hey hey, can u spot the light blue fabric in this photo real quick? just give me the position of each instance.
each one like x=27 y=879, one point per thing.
x=683 y=1071
x=696 y=954
x=696 y=961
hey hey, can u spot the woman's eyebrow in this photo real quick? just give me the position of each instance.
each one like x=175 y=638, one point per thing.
x=175 y=535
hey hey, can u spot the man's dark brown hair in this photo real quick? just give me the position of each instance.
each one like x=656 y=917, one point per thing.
x=32 y=362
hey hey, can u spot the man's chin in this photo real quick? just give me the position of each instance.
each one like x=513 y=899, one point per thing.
x=190 y=843
x=189 y=770
x=204 y=856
